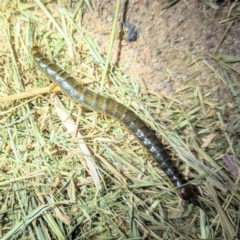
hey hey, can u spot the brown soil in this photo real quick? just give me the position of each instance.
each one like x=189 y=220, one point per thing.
x=167 y=40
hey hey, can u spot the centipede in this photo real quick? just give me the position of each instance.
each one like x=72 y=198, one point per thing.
x=110 y=107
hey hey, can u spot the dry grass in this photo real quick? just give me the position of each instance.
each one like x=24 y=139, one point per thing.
x=69 y=173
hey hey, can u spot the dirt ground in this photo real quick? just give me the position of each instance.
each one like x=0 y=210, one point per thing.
x=168 y=41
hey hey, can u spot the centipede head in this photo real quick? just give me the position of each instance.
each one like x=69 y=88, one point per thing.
x=189 y=194
x=36 y=49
